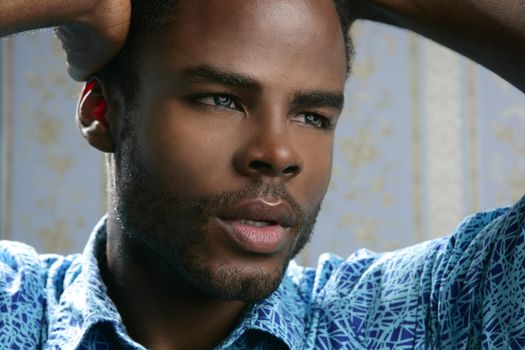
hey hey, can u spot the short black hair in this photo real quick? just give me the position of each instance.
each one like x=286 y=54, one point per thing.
x=149 y=17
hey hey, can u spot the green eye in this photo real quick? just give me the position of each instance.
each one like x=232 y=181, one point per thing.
x=220 y=101
x=313 y=119
x=223 y=101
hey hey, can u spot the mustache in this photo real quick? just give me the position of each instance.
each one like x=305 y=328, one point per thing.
x=209 y=205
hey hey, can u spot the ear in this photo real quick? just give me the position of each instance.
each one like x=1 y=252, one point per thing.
x=92 y=117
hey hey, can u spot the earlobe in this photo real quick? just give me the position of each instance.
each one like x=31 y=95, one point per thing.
x=92 y=117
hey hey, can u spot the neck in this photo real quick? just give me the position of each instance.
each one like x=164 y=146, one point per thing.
x=160 y=309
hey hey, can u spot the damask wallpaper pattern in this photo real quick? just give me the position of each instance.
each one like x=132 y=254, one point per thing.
x=52 y=181
x=426 y=138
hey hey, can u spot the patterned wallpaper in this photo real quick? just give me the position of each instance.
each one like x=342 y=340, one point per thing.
x=426 y=138
x=52 y=182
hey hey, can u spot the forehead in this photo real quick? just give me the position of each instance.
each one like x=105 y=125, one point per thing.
x=268 y=39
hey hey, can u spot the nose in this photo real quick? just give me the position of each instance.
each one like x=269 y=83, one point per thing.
x=268 y=153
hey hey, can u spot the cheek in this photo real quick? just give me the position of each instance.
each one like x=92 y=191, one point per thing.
x=191 y=153
x=311 y=185
x=187 y=152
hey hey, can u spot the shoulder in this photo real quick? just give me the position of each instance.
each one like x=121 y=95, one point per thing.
x=359 y=296
x=23 y=293
x=369 y=275
x=366 y=270
x=332 y=273
x=22 y=299
x=23 y=262
x=18 y=260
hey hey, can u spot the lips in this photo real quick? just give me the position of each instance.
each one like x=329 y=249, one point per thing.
x=258 y=226
x=277 y=212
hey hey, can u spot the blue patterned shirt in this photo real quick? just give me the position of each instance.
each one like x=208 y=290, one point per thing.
x=463 y=291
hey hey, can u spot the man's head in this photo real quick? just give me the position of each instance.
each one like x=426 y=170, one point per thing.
x=150 y=18
x=223 y=146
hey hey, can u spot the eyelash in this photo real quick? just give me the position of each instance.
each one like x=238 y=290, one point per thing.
x=325 y=123
x=199 y=98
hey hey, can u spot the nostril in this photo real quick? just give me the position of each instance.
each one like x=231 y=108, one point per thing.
x=259 y=165
x=267 y=168
x=291 y=170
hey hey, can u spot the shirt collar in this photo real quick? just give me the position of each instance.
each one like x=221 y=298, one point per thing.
x=85 y=304
x=282 y=315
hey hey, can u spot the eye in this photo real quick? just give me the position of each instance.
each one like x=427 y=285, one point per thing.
x=315 y=120
x=223 y=101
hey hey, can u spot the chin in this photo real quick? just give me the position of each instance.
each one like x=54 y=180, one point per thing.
x=234 y=280
x=239 y=284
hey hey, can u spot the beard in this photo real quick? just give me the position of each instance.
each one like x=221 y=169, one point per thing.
x=174 y=226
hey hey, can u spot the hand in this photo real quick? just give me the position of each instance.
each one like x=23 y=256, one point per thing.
x=94 y=38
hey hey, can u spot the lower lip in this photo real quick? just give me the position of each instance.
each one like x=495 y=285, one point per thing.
x=262 y=240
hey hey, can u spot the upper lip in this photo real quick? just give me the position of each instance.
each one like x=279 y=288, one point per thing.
x=276 y=211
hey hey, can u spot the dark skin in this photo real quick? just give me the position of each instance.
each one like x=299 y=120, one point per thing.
x=161 y=306
x=92 y=31
x=196 y=147
x=491 y=33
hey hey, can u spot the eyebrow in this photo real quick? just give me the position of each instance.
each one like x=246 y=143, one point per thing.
x=206 y=74
x=319 y=99
x=210 y=75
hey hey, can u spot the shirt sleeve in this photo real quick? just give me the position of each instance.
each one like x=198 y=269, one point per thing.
x=463 y=291
x=22 y=299
x=477 y=295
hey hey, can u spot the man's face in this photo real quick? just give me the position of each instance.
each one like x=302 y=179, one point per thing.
x=230 y=154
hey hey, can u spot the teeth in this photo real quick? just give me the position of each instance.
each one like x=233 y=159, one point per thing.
x=255 y=223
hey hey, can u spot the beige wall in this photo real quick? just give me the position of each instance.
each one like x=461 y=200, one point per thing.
x=426 y=138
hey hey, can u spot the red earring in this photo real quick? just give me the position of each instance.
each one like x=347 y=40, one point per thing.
x=100 y=112
x=100 y=109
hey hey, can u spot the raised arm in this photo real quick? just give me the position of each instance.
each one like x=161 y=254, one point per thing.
x=92 y=31
x=491 y=32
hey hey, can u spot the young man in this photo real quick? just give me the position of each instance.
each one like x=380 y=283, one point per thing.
x=218 y=119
